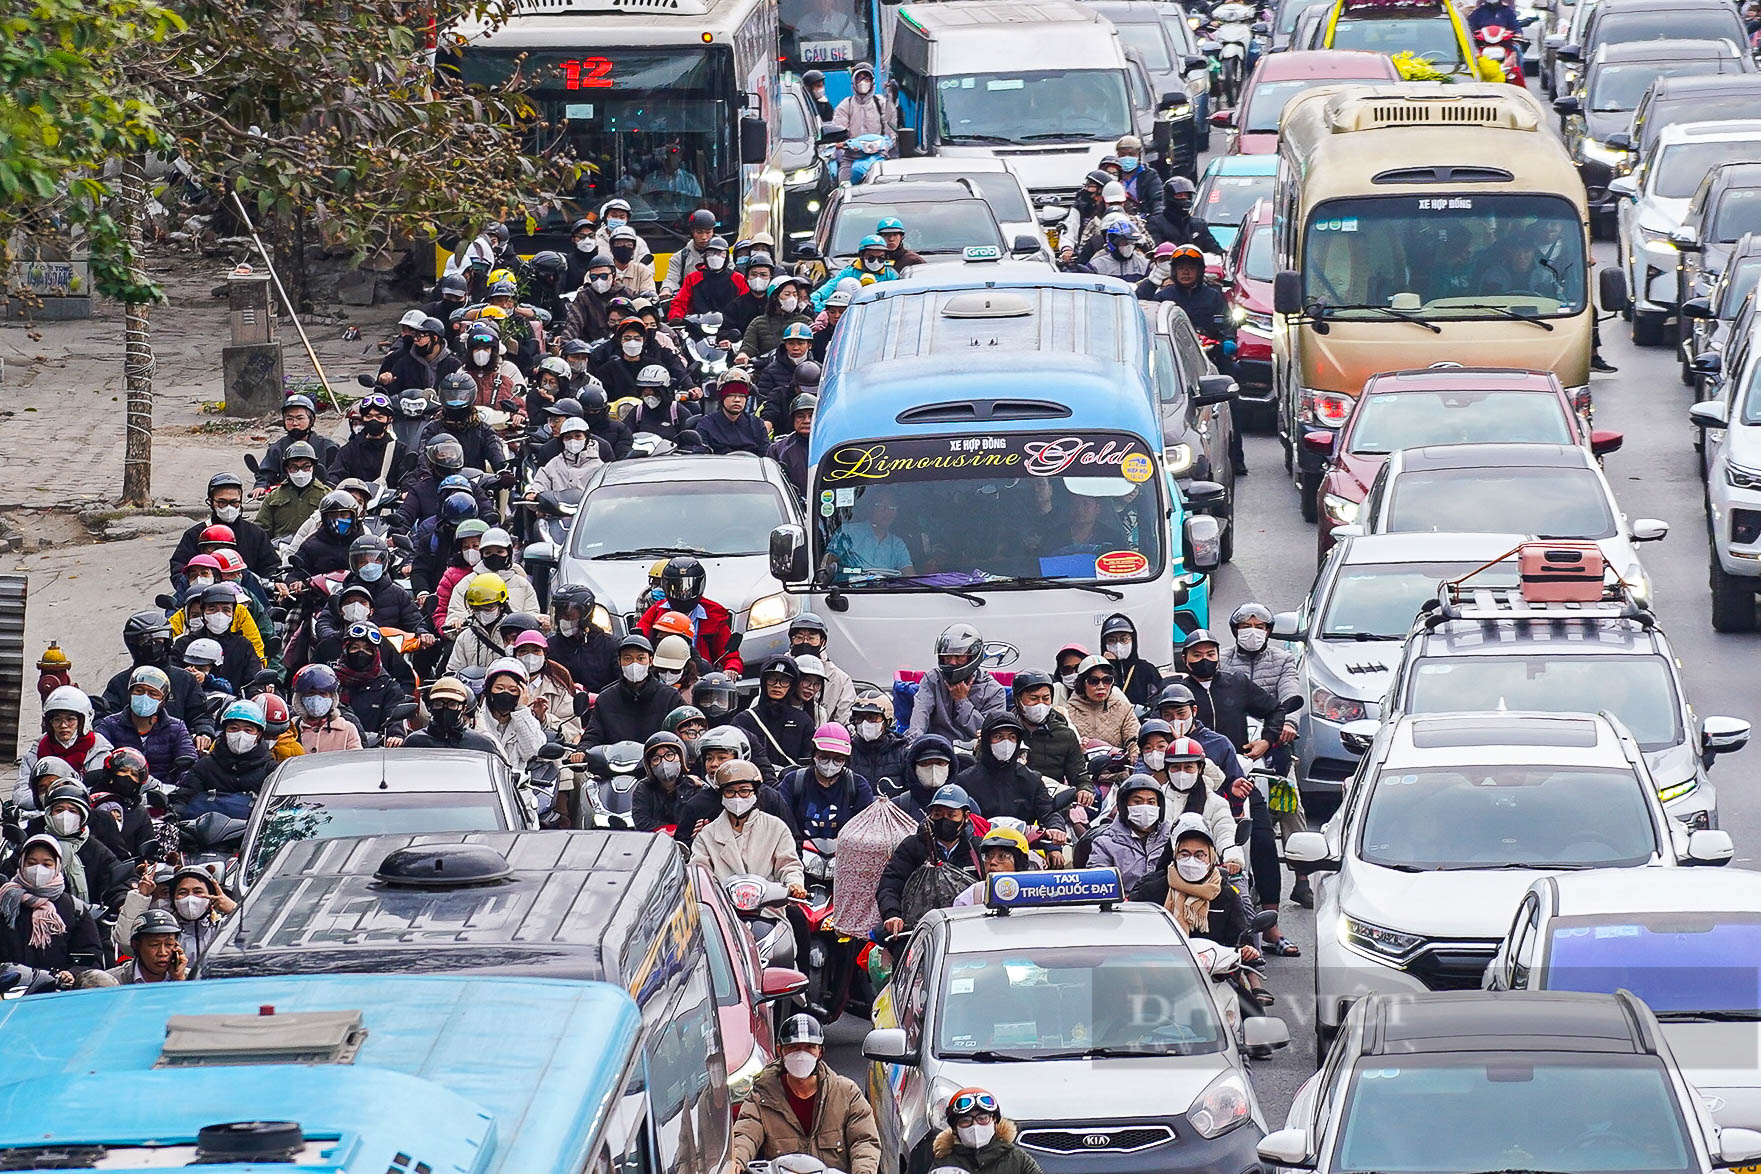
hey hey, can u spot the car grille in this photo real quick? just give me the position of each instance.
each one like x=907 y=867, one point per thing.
x=1452 y=966
x=1097 y=1139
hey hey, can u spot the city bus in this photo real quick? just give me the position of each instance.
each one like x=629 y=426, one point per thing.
x=673 y=104
x=1401 y=214
x=831 y=36
x=987 y=450
x=372 y=1074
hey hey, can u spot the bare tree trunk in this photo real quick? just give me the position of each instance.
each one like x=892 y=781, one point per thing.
x=137 y=359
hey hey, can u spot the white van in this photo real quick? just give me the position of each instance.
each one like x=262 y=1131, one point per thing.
x=1042 y=84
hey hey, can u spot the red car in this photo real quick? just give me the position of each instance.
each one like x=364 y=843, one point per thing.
x=1247 y=284
x=1280 y=77
x=1441 y=405
x=743 y=991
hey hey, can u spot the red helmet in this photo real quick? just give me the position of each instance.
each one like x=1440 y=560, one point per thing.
x=218 y=535
x=275 y=714
x=1185 y=750
x=231 y=561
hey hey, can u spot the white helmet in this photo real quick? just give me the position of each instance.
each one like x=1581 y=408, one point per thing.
x=69 y=699
x=508 y=665
x=1114 y=220
x=1113 y=193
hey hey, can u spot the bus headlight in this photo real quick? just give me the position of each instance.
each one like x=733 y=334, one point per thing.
x=770 y=611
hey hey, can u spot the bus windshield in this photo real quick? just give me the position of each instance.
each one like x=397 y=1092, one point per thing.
x=1447 y=256
x=1042 y=105
x=1432 y=38
x=824 y=32
x=654 y=124
x=989 y=511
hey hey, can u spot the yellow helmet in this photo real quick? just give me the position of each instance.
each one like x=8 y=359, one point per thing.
x=492 y=312
x=486 y=588
x=496 y=275
x=1000 y=837
x=656 y=569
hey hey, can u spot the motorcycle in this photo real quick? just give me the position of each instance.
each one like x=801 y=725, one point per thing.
x=861 y=152
x=1254 y=1031
x=837 y=968
x=1498 y=44
x=1234 y=36
x=547 y=530
x=211 y=840
x=708 y=360
x=411 y=409
x=612 y=771
x=759 y=903
x=18 y=980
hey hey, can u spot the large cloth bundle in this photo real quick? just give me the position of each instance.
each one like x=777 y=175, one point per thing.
x=865 y=845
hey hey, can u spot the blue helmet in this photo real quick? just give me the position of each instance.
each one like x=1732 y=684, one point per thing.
x=455 y=483
x=951 y=795
x=457 y=507
x=890 y=224
x=244 y=711
x=871 y=241
x=1122 y=229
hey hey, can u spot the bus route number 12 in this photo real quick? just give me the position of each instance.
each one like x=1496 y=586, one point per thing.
x=588 y=73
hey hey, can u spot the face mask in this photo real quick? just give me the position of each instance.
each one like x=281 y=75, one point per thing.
x=757 y=284
x=532 y=662
x=373 y=427
x=1155 y=759
x=975 y=1136
x=574 y=445
x=1192 y=870
x=1182 y=726
x=1128 y=163
x=1142 y=815
x=1160 y=272
x=946 y=830
x=617 y=223
x=666 y=770
x=584 y=245
x=651 y=401
x=341 y=526
x=623 y=253
x=670 y=676
x=738 y=807
x=38 y=876
x=217 y=622
x=300 y=477
x=354 y=613
x=446 y=721
x=316 y=704
x=716 y=262
x=1004 y=751
x=788 y=304
x=480 y=357
x=1204 y=670
x=1068 y=680
x=227 y=513
x=635 y=673
x=567 y=627
x=868 y=731
x=470 y=556
x=827 y=768
x=497 y=562
x=241 y=741
x=141 y=705
x=359 y=660
x=370 y=572
x=504 y=703
x=192 y=908
x=197 y=581
x=1037 y=712
x=933 y=775
x=1183 y=780
x=1128 y=251
x=64 y=823
x=1119 y=649
x=631 y=347
x=1251 y=639
x=874 y=264
x=486 y=615
x=800 y=1065
x=865 y=87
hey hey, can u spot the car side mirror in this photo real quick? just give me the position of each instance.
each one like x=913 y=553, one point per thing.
x=542 y=553
x=1604 y=441
x=831 y=132
x=1737 y=1147
x=1707 y=363
x=1611 y=283
x=1685 y=242
x=1569 y=104
x=780 y=982
x=1700 y=308
x=1215 y=389
x=1554 y=42
x=1648 y=530
x=1264 y=1031
x=1320 y=441
x=788 y=554
x=1709 y=413
x=1024 y=245
x=1309 y=848
x=907 y=136
x=1205 y=495
x=887 y=1045
x=1569 y=53
x=1261 y=29
x=1195 y=62
x=1356 y=736
x=1222 y=118
x=808 y=251
x=1710 y=847
x=1723 y=735
x=1619 y=141
x=1287 y=625
x=1350 y=530
x=1287 y=1147
x=1287 y=291
x=1204 y=541
x=1623 y=185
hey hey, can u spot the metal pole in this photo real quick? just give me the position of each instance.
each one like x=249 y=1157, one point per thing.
x=292 y=310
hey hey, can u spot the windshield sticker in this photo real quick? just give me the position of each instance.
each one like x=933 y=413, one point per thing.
x=578 y=111
x=1618 y=931
x=1120 y=564
x=960 y=986
x=1136 y=469
x=1034 y=454
x=845 y=498
x=1445 y=204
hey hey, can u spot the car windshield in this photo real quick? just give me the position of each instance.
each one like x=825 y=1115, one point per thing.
x=1031 y=1004
x=974 y=512
x=1636 y=689
x=1672 y=24
x=1147 y=38
x=1471 y=255
x=713 y=519
x=1488 y=817
x=1552 y=503
x=1003 y=193
x=1225 y=199
x=794 y=128
x=1432 y=38
x=1681 y=166
x=1290 y=11
x=929 y=228
x=1269 y=99
x=1261 y=262
x=291 y=818
x=1032 y=106
x=1381 y=600
x=1619 y=87
x=1604 y=1113
x=822 y=32
x=1709 y=107
x=1739 y=211
x=1676 y=962
x=1387 y=421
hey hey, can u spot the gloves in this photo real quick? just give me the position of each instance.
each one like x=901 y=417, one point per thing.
x=1229 y=348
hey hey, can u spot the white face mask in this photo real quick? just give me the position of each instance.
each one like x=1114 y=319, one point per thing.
x=933 y=775
x=738 y=807
x=865 y=87
x=241 y=741
x=651 y=401
x=354 y=613
x=868 y=731
x=827 y=768
x=788 y=303
x=218 y=621
x=470 y=555
x=1251 y=639
x=38 y=876
x=600 y=284
x=192 y=908
x=300 y=477
x=1142 y=815
x=574 y=444
x=1068 y=680
x=1119 y=649
x=714 y=261
x=480 y=357
x=1160 y=272
x=1004 y=750
x=64 y=823
x=800 y=1064
x=584 y=245
x=567 y=627
x=635 y=673
x=532 y=662
x=670 y=676
x=200 y=581
x=631 y=346
x=1183 y=780
x=1192 y=870
x=758 y=284
x=1182 y=726
x=227 y=513
x=1128 y=251
x=975 y=1136
x=486 y=615
x=316 y=704
x=1037 y=712
x=1155 y=759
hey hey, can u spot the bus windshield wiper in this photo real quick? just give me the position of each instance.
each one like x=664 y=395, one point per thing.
x=1507 y=311
x=1709 y=1016
x=987 y=1056
x=1026 y=582
x=905 y=583
x=1320 y=309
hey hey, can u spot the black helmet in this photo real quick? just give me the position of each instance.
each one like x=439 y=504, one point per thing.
x=455 y=284
x=593 y=402
x=444 y=454
x=1117 y=622
x=813 y=77
x=1178 y=186
x=514 y=623
x=147 y=632
x=1196 y=637
x=1029 y=679
x=1154 y=725
x=221 y=481
x=801 y=1029
x=549 y=264
x=568 y=405
x=781 y=665
x=662 y=738
x=683 y=580
x=806 y=401
x=807 y=376
x=159 y=921
x=702 y=218
x=339 y=511
x=964 y=641
x=715 y=694
x=808 y=622
x=1176 y=694
x=573 y=595
x=456 y=392
x=1098 y=177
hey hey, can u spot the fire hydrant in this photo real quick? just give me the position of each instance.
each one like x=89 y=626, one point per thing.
x=53 y=670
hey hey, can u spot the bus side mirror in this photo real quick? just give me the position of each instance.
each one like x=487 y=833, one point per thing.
x=1613 y=288
x=907 y=136
x=1287 y=291
x=754 y=140
x=788 y=554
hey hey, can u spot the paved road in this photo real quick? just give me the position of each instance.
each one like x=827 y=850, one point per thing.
x=1653 y=476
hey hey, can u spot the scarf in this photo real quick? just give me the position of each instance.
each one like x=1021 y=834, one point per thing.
x=352 y=678
x=45 y=919
x=72 y=867
x=1189 y=903
x=74 y=755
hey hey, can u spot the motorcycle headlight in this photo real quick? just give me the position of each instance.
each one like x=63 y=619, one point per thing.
x=1339 y=509
x=1179 y=459
x=770 y=611
x=1388 y=943
x=1238 y=314
x=1222 y=1105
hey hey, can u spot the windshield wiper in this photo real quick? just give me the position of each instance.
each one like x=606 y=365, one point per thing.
x=1028 y=581
x=990 y=1057
x=1100 y=1054
x=1319 y=312
x=656 y=552
x=1507 y=311
x=1517 y=865
x=1709 y=1016
x=958 y=139
x=1044 y=135
x=1361 y=637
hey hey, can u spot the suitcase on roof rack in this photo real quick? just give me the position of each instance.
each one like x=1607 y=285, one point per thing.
x=1561 y=572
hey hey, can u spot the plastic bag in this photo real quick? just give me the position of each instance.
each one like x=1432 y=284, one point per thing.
x=865 y=845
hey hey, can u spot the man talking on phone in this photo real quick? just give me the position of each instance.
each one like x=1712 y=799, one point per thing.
x=158 y=954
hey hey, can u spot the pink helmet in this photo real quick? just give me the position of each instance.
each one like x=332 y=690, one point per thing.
x=833 y=739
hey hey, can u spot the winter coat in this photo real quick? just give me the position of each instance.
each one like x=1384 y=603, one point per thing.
x=744 y=433
x=227 y=773
x=165 y=741
x=1225 y=704
x=705 y=804
x=591 y=658
x=184 y=704
x=87 y=753
x=887 y=273
x=764 y=333
x=936 y=712
x=883 y=758
x=80 y=937
x=666 y=421
x=586 y=317
x=822 y=810
x=483 y=448
x=775 y=386
x=838 y=696
x=393 y=607
x=1272 y=669
x=844 y=1135
x=999 y=1156
x=473 y=647
x=333 y=733
x=871 y=115
x=1113 y=721
x=323 y=553
x=714 y=629
x=613 y=431
x=703 y=292
x=410 y=372
x=1205 y=799
x=1054 y=749
x=1204 y=306
x=269 y=470
x=1172 y=225
x=519 y=739
x=1120 y=846
x=364 y=457
x=249 y=540
x=567 y=471
x=1136 y=677
x=784 y=729
x=791 y=453
x=1143 y=188
x=623 y=713
x=913 y=852
x=370 y=700
x=765 y=847
x=286 y=508
x=681 y=265
x=653 y=807
x=1011 y=789
x=521 y=595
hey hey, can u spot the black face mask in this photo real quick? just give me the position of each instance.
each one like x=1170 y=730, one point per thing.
x=298 y=433
x=373 y=427
x=799 y=650
x=1204 y=670
x=457 y=413
x=504 y=703
x=497 y=562
x=360 y=660
x=623 y=253
x=447 y=721
x=946 y=830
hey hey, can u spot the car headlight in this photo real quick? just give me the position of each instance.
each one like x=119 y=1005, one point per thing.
x=1675 y=791
x=1329 y=706
x=1222 y=1106
x=1738 y=477
x=1259 y=322
x=1238 y=314
x=941 y=1091
x=1178 y=458
x=1326 y=409
x=1656 y=238
x=802 y=175
x=1339 y=509
x=771 y=611
x=740 y=1083
x=1388 y=943
x=813 y=206
x=1602 y=153
x=600 y=618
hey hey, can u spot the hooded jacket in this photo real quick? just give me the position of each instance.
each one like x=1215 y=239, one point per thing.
x=704 y=292
x=775 y=387
x=821 y=810
x=1173 y=223
x=1011 y=789
x=1136 y=677
x=913 y=852
x=936 y=712
x=883 y=758
x=765 y=332
x=230 y=774
x=914 y=801
x=1054 y=749
x=843 y=1135
x=166 y=741
x=1120 y=846
x=999 y=1156
x=783 y=728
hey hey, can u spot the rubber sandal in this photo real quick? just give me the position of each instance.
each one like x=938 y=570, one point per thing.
x=1283 y=947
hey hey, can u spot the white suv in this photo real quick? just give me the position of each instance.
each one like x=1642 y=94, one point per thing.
x=1731 y=450
x=1448 y=821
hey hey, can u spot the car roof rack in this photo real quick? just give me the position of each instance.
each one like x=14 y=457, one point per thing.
x=1457 y=600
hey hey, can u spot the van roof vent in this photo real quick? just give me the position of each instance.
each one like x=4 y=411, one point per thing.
x=987 y=303
x=967 y=411
x=1353 y=112
x=1443 y=174
x=290 y=1037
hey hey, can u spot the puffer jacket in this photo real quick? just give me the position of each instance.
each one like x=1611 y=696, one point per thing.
x=1113 y=721
x=1119 y=846
x=1054 y=749
x=936 y=712
x=844 y=1135
x=999 y=1156
x=1272 y=669
x=883 y=758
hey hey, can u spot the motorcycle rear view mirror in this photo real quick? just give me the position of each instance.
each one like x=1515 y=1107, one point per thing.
x=553 y=751
x=1262 y=921
x=364 y=380
x=831 y=132
x=402 y=711
x=251 y=463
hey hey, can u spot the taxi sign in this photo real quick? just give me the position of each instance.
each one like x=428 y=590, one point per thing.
x=973 y=253
x=1058 y=887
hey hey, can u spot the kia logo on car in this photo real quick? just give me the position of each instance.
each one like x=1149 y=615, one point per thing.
x=1095 y=1141
x=1000 y=653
